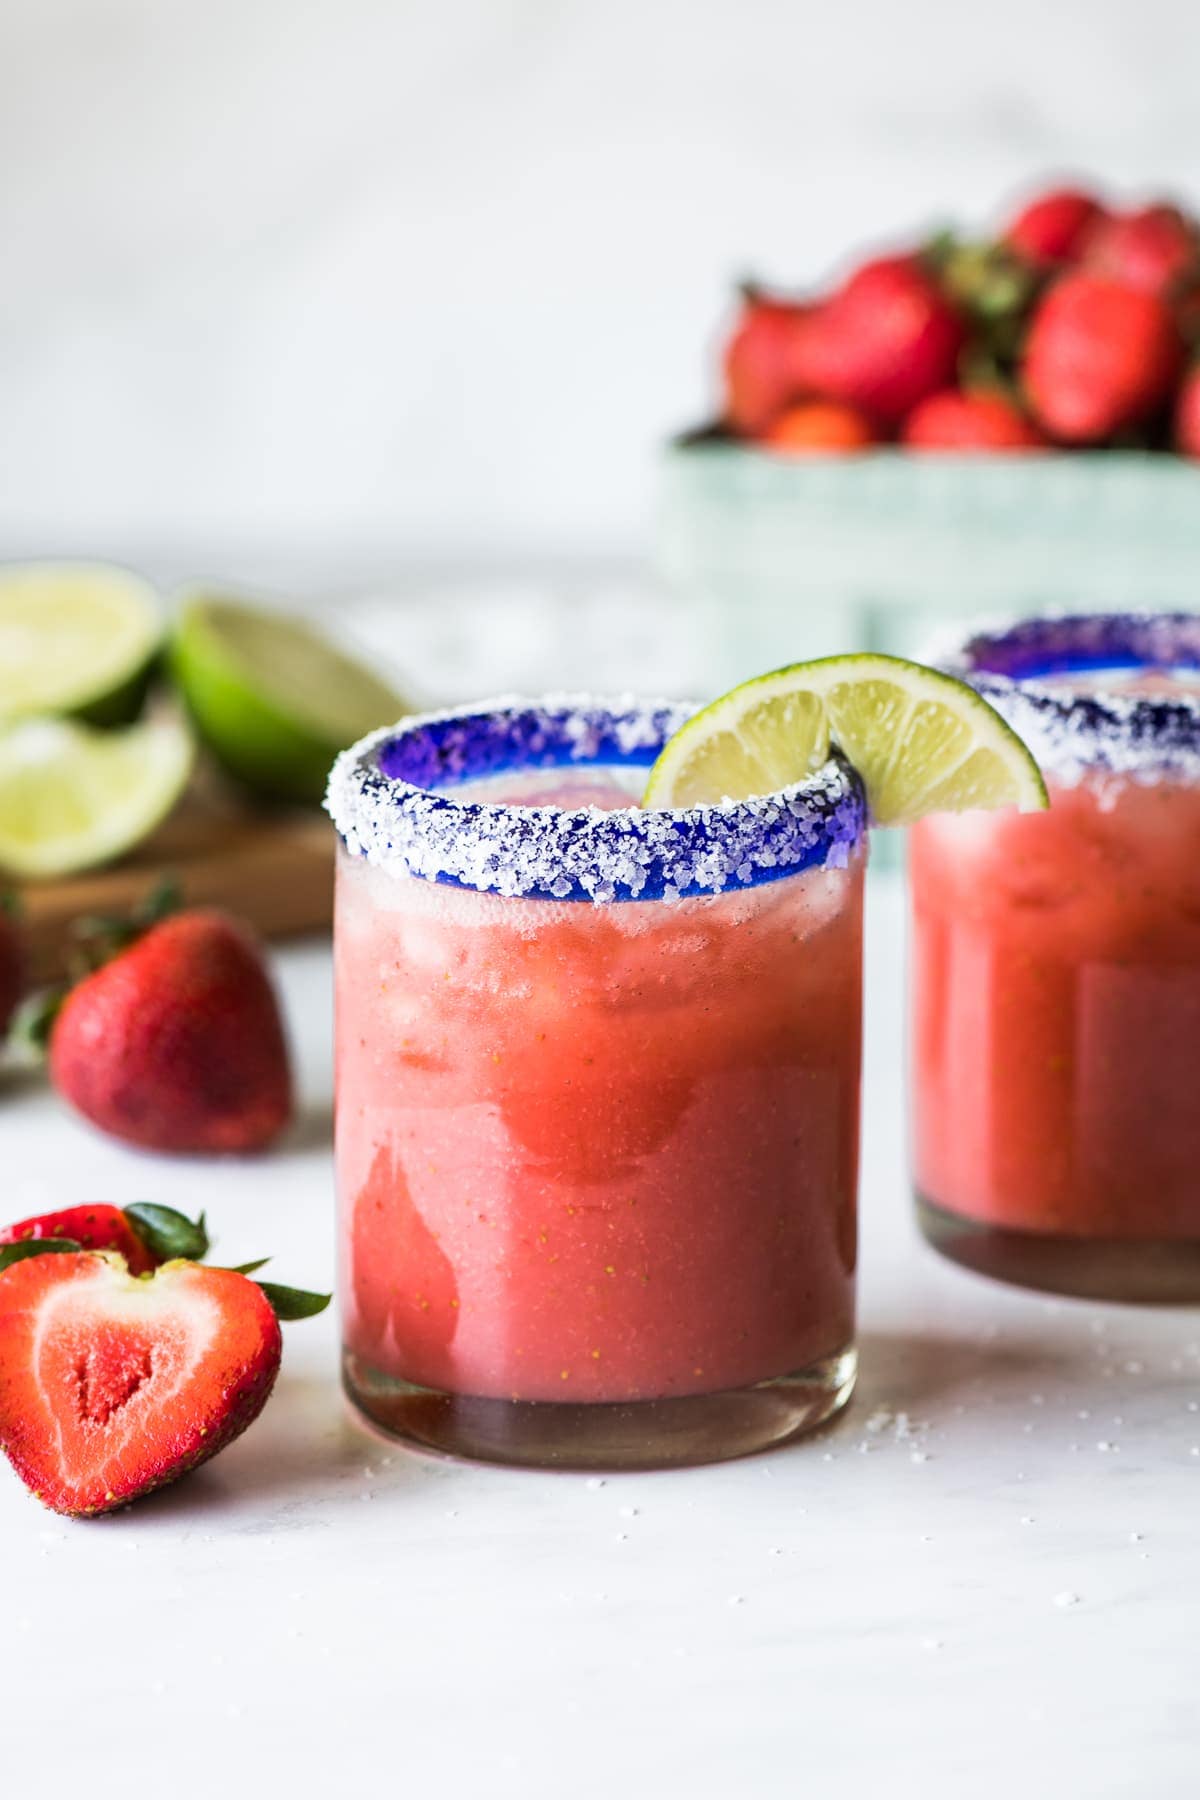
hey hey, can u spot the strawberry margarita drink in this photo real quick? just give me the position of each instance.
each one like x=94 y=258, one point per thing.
x=597 y=1093
x=1056 y=980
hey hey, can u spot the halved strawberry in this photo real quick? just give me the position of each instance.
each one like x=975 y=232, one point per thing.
x=112 y=1384
x=144 y=1235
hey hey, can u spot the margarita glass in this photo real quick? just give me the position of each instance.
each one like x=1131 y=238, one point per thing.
x=597 y=1092
x=1056 y=975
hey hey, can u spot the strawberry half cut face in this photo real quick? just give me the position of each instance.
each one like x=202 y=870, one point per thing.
x=112 y=1385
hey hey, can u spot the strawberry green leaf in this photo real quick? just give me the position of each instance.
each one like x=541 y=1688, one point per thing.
x=294 y=1303
x=99 y=937
x=167 y=1233
x=26 y=1247
x=250 y=1267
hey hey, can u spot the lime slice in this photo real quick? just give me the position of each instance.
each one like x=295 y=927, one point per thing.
x=75 y=638
x=72 y=797
x=921 y=741
x=272 y=698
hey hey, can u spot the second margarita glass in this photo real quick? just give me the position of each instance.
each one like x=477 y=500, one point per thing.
x=1056 y=980
x=597 y=1093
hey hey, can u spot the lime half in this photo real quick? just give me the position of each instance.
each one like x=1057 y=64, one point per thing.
x=921 y=741
x=72 y=797
x=75 y=638
x=273 y=699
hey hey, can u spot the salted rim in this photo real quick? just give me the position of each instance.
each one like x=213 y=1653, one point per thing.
x=1013 y=665
x=384 y=802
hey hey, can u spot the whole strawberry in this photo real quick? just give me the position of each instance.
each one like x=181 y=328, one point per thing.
x=982 y=420
x=882 y=341
x=1152 y=248
x=1187 y=414
x=1099 y=357
x=177 y=1044
x=819 y=428
x=12 y=962
x=760 y=373
x=1053 y=226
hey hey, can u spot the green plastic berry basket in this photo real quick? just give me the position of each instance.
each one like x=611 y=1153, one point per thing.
x=785 y=559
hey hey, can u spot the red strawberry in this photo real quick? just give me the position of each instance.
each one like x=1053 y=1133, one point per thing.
x=983 y=420
x=760 y=375
x=12 y=963
x=144 y=1235
x=1150 y=249
x=1053 y=227
x=1186 y=306
x=1099 y=357
x=177 y=1044
x=882 y=341
x=1187 y=414
x=112 y=1385
x=819 y=428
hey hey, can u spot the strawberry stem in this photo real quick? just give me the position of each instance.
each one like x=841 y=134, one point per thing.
x=168 y=1234
x=100 y=937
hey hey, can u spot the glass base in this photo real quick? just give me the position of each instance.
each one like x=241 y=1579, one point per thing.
x=643 y=1434
x=1159 y=1273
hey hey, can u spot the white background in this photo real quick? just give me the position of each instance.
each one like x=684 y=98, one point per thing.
x=431 y=281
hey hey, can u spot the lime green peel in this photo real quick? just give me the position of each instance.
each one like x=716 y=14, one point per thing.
x=271 y=697
x=921 y=741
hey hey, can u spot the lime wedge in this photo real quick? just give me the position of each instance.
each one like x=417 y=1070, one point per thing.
x=72 y=797
x=921 y=741
x=273 y=699
x=75 y=638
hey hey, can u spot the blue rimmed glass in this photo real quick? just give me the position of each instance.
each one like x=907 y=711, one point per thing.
x=597 y=1102
x=1056 y=978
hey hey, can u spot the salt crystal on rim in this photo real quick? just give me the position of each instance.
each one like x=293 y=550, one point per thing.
x=391 y=798
x=1071 y=734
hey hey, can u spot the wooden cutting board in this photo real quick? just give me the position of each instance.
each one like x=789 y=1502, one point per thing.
x=274 y=869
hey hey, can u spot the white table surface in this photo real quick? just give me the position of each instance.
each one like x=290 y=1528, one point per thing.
x=996 y=1594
